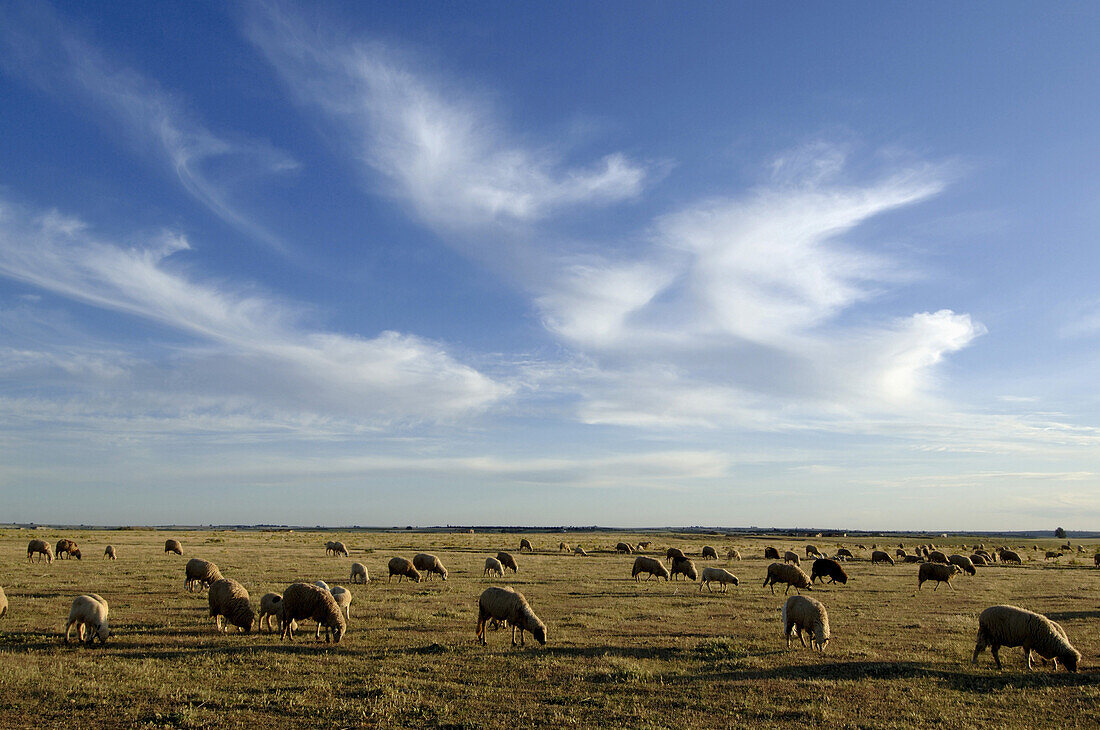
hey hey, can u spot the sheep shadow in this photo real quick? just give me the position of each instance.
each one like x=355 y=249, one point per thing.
x=976 y=680
x=1070 y=615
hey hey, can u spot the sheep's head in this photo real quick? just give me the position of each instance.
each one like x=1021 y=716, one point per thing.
x=1070 y=659
x=444 y=574
x=337 y=631
x=76 y=554
x=539 y=632
x=102 y=632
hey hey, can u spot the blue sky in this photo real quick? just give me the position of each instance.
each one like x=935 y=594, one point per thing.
x=627 y=264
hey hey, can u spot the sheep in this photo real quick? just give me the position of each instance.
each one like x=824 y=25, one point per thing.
x=1010 y=556
x=342 y=596
x=719 y=575
x=732 y=554
x=430 y=564
x=505 y=604
x=492 y=565
x=653 y=566
x=580 y=551
x=402 y=568
x=271 y=606
x=845 y=553
x=228 y=599
x=802 y=613
x=881 y=556
x=828 y=568
x=339 y=548
x=89 y=612
x=201 y=572
x=330 y=547
x=937 y=556
x=1096 y=560
x=623 y=547
x=507 y=561
x=684 y=567
x=900 y=553
x=563 y=547
x=978 y=559
x=109 y=553
x=1012 y=626
x=65 y=546
x=1050 y=555
x=674 y=554
x=939 y=572
x=963 y=562
x=525 y=544
x=302 y=601
x=3 y=602
x=1067 y=546
x=321 y=584
x=771 y=553
x=41 y=547
x=359 y=573
x=792 y=575
x=913 y=559
x=644 y=545
x=812 y=551
x=173 y=546
x=791 y=557
x=709 y=553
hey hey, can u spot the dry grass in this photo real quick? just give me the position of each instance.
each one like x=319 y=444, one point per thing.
x=620 y=654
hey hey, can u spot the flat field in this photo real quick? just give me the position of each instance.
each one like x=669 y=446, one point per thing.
x=620 y=653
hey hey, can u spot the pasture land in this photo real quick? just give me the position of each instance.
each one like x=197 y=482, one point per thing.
x=620 y=653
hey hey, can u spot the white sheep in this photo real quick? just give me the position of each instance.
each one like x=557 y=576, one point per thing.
x=270 y=608
x=493 y=566
x=228 y=599
x=3 y=602
x=505 y=604
x=359 y=573
x=1012 y=626
x=652 y=566
x=342 y=596
x=429 y=564
x=791 y=557
x=718 y=575
x=802 y=613
x=939 y=572
x=89 y=612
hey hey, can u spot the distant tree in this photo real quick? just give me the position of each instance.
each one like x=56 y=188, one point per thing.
x=1060 y=533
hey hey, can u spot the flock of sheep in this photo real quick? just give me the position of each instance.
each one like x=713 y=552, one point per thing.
x=330 y=608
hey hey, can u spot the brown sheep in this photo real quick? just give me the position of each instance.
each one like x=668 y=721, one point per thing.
x=732 y=554
x=229 y=599
x=939 y=572
x=41 y=548
x=828 y=568
x=507 y=605
x=684 y=567
x=623 y=547
x=302 y=601
x=173 y=546
x=674 y=554
x=709 y=553
x=881 y=556
x=109 y=553
x=65 y=546
x=1010 y=556
x=430 y=564
x=652 y=566
x=508 y=561
x=937 y=556
x=792 y=575
x=845 y=554
x=771 y=553
x=525 y=544
x=964 y=563
x=791 y=557
x=402 y=568
x=578 y=551
x=200 y=572
x=563 y=547
x=1012 y=626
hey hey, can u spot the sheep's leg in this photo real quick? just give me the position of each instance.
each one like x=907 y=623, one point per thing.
x=1027 y=656
x=68 y=629
x=996 y=656
x=481 y=630
x=787 y=589
x=801 y=640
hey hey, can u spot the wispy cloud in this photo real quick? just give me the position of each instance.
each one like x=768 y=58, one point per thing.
x=38 y=46
x=249 y=345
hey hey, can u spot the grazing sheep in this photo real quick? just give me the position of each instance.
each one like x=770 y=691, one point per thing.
x=792 y=575
x=1010 y=556
x=201 y=572
x=881 y=556
x=65 y=546
x=525 y=544
x=42 y=548
x=623 y=547
x=507 y=561
x=1011 y=626
x=963 y=562
x=900 y=552
x=913 y=559
x=791 y=557
x=937 y=556
x=979 y=559
x=402 y=568
x=771 y=553
x=563 y=547
x=342 y=596
x=89 y=612
x=1096 y=560
x=845 y=553
x=359 y=573
x=110 y=552
x=1050 y=555
x=321 y=584
x=339 y=548
x=718 y=575
x=939 y=572
x=302 y=601
x=492 y=565
x=271 y=606
x=3 y=602
x=653 y=566
x=580 y=551
x=802 y=613
x=674 y=554
x=732 y=554
x=684 y=567
x=228 y=599
x=505 y=604
x=173 y=546
x=709 y=553
x=644 y=545
x=813 y=552
x=828 y=568
x=1067 y=546
x=330 y=547
x=430 y=564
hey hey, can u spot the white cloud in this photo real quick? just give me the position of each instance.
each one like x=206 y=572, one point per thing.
x=249 y=345
x=449 y=155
